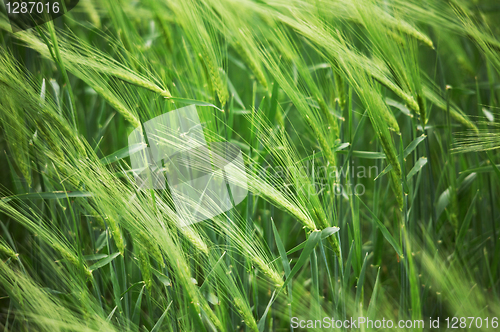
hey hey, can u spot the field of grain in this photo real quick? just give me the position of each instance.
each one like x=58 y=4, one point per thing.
x=359 y=142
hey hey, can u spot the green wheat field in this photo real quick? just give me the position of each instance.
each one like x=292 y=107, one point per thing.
x=369 y=132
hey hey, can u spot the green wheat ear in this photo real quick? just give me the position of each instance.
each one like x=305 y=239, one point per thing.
x=377 y=107
x=7 y=250
x=16 y=133
x=145 y=267
x=252 y=63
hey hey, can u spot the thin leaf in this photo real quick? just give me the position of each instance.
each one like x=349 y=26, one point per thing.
x=194 y=102
x=137 y=308
x=417 y=167
x=94 y=257
x=384 y=231
x=365 y=154
x=122 y=153
x=399 y=106
x=409 y=149
x=311 y=243
x=324 y=234
x=157 y=326
x=132 y=286
x=262 y=322
x=104 y=261
x=372 y=305
x=466 y=223
x=281 y=249
x=163 y=278
x=111 y=314
x=49 y=195
x=361 y=281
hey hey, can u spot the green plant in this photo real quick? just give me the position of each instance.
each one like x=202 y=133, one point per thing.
x=370 y=139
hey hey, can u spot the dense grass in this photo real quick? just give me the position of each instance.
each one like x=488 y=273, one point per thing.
x=370 y=138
